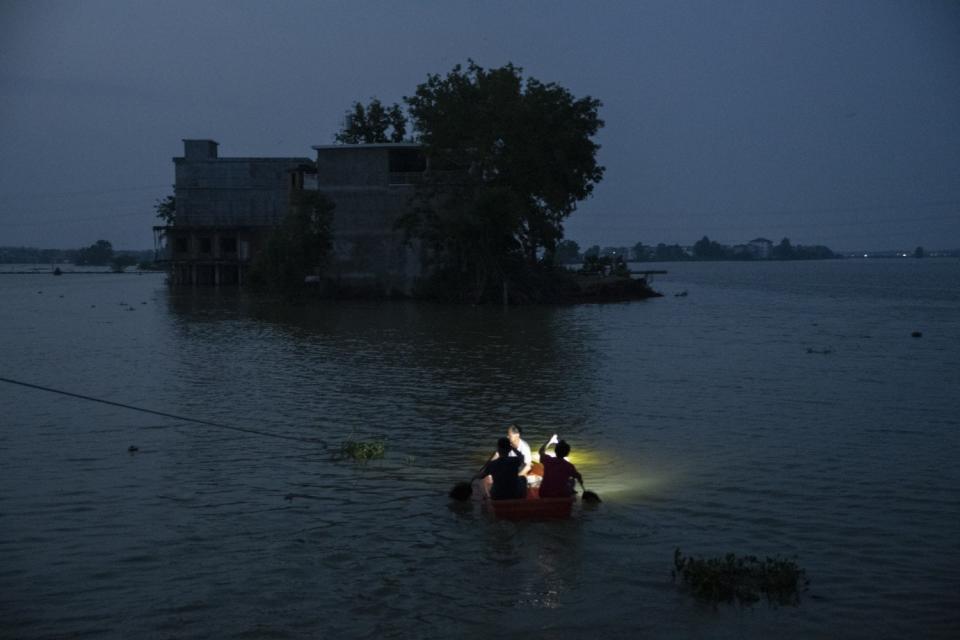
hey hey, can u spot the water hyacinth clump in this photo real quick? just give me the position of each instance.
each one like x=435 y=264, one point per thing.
x=744 y=580
x=362 y=451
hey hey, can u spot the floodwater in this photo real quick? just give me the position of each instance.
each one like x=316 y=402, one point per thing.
x=779 y=408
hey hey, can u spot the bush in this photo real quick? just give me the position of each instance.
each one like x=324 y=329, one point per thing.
x=746 y=579
x=362 y=451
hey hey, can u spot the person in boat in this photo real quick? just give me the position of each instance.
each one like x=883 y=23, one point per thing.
x=504 y=470
x=559 y=475
x=519 y=447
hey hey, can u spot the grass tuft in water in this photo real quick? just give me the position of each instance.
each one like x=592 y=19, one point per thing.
x=362 y=451
x=744 y=580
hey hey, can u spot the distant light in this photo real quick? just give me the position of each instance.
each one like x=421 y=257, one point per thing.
x=866 y=255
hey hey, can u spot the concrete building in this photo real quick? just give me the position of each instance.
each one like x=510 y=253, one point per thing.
x=371 y=185
x=226 y=207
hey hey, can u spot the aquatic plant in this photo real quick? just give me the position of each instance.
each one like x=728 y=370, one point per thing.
x=744 y=580
x=362 y=451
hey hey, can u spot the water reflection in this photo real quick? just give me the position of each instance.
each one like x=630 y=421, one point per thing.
x=397 y=365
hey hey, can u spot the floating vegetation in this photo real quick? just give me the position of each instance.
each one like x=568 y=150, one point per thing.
x=744 y=580
x=362 y=451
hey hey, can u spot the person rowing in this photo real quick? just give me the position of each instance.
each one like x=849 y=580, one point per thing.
x=559 y=475
x=504 y=472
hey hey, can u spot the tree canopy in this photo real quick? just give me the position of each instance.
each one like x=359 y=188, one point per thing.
x=98 y=254
x=373 y=124
x=298 y=247
x=511 y=157
x=166 y=209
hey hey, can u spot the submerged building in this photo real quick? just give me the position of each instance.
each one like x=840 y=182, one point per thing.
x=226 y=208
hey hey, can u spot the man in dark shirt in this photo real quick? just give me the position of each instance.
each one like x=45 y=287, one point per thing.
x=505 y=471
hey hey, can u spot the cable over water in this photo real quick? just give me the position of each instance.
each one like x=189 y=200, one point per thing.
x=164 y=414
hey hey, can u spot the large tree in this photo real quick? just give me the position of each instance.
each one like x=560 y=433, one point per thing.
x=511 y=158
x=372 y=124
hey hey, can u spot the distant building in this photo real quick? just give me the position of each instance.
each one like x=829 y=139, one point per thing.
x=760 y=248
x=226 y=208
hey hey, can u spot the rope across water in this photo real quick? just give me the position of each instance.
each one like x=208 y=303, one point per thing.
x=164 y=414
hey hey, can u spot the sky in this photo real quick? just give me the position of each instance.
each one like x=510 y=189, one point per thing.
x=834 y=123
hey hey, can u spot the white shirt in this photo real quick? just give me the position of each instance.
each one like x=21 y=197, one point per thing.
x=524 y=450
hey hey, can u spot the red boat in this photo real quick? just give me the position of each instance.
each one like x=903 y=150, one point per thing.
x=533 y=507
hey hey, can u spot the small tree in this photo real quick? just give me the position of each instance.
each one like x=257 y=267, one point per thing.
x=121 y=262
x=783 y=251
x=707 y=249
x=567 y=251
x=298 y=247
x=166 y=209
x=919 y=253
x=373 y=124
x=639 y=252
x=100 y=253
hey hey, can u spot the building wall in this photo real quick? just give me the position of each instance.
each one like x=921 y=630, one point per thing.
x=368 y=253
x=238 y=200
x=231 y=191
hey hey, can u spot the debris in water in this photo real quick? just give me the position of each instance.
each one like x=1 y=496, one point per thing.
x=917 y=334
x=133 y=449
x=745 y=579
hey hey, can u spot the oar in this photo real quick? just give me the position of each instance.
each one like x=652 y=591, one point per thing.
x=589 y=496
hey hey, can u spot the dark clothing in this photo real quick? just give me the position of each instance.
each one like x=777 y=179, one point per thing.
x=506 y=483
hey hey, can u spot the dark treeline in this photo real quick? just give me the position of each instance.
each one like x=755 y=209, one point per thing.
x=568 y=251
x=101 y=253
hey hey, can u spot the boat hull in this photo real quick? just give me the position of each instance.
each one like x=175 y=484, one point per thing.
x=532 y=508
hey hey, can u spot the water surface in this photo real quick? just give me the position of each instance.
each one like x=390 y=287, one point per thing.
x=779 y=408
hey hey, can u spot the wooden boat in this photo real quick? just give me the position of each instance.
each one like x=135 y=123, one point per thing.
x=533 y=507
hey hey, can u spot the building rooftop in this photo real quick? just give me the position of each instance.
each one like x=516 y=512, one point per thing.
x=375 y=145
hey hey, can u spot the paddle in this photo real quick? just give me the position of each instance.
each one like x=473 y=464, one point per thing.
x=589 y=496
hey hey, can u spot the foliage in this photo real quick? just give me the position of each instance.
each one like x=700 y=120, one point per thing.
x=148 y=265
x=641 y=252
x=299 y=246
x=511 y=157
x=122 y=261
x=100 y=253
x=362 y=451
x=372 y=124
x=166 y=209
x=592 y=251
x=567 y=251
x=744 y=580
x=919 y=253
x=783 y=251
x=668 y=253
x=787 y=251
x=707 y=249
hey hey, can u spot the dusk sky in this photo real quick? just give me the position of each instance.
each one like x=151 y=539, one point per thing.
x=827 y=122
